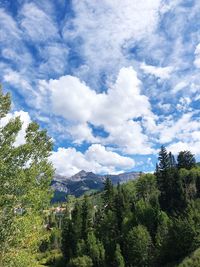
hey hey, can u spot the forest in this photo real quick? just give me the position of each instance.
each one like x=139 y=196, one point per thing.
x=151 y=221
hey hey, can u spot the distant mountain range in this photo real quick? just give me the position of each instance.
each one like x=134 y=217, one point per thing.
x=83 y=182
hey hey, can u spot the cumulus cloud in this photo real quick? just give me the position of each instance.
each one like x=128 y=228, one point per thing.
x=97 y=158
x=114 y=110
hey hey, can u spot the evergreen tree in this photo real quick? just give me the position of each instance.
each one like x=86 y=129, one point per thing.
x=86 y=217
x=119 y=259
x=169 y=183
x=146 y=187
x=197 y=182
x=160 y=254
x=68 y=241
x=108 y=194
x=83 y=261
x=186 y=160
x=164 y=160
x=138 y=242
x=119 y=206
x=172 y=161
x=95 y=250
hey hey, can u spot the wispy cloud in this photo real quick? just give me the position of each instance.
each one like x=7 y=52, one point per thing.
x=36 y=24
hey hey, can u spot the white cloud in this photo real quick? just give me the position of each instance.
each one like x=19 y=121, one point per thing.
x=193 y=147
x=18 y=55
x=164 y=106
x=184 y=103
x=81 y=132
x=105 y=28
x=54 y=58
x=16 y=79
x=114 y=110
x=9 y=32
x=38 y=26
x=197 y=56
x=181 y=130
x=179 y=86
x=104 y=157
x=130 y=138
x=161 y=72
x=72 y=99
x=11 y=40
x=97 y=158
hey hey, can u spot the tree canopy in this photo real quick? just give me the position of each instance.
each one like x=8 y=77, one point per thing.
x=25 y=175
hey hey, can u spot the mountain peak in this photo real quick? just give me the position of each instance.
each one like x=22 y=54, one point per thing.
x=82 y=172
x=83 y=182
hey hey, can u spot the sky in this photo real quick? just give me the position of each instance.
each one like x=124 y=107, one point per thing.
x=110 y=80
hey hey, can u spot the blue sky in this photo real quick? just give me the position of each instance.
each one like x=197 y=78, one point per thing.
x=110 y=80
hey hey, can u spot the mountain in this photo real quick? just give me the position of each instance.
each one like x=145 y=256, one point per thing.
x=83 y=182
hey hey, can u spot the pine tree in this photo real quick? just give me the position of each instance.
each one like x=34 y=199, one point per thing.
x=108 y=194
x=119 y=205
x=118 y=259
x=68 y=241
x=186 y=160
x=83 y=261
x=86 y=217
x=138 y=242
x=164 y=159
x=73 y=232
x=95 y=250
x=172 y=161
x=169 y=183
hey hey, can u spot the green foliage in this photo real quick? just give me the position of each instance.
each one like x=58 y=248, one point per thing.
x=119 y=259
x=25 y=175
x=153 y=221
x=172 y=196
x=192 y=261
x=5 y=103
x=138 y=243
x=51 y=258
x=96 y=250
x=83 y=261
x=186 y=160
x=161 y=238
x=86 y=217
x=108 y=194
x=164 y=160
x=146 y=187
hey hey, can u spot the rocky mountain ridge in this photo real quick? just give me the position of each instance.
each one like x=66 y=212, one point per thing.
x=83 y=182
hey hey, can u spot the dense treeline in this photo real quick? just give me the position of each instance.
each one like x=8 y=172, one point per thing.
x=153 y=221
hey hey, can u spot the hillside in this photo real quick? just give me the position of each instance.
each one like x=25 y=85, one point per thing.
x=151 y=221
